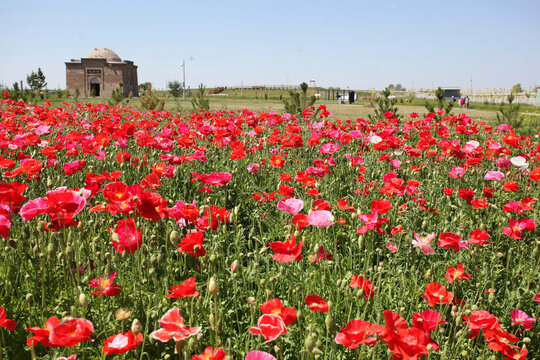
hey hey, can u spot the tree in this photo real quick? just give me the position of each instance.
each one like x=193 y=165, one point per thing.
x=385 y=104
x=297 y=103
x=516 y=89
x=200 y=101
x=175 y=88
x=509 y=113
x=36 y=81
x=117 y=95
x=399 y=87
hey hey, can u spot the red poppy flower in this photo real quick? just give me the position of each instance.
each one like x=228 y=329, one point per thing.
x=187 y=288
x=211 y=354
x=316 y=303
x=427 y=321
x=105 y=286
x=71 y=332
x=466 y=194
x=404 y=342
x=356 y=333
x=192 y=243
x=380 y=206
x=116 y=192
x=359 y=282
x=344 y=205
x=275 y=307
x=321 y=254
x=129 y=236
x=287 y=251
x=478 y=237
x=455 y=273
x=300 y=221
x=534 y=175
x=270 y=326
x=479 y=203
x=451 y=241
x=122 y=343
x=172 y=326
x=436 y=294
x=511 y=186
x=5 y=322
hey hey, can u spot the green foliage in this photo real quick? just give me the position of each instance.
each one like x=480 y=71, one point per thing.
x=199 y=101
x=117 y=96
x=76 y=94
x=439 y=95
x=149 y=100
x=516 y=89
x=509 y=113
x=298 y=102
x=175 y=88
x=385 y=104
x=36 y=80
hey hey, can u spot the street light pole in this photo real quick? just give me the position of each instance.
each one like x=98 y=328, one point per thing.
x=183 y=80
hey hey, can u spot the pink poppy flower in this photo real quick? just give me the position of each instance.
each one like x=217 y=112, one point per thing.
x=253 y=168
x=329 y=148
x=395 y=164
x=320 y=218
x=105 y=286
x=457 y=172
x=391 y=246
x=493 y=175
x=370 y=221
x=423 y=243
x=292 y=206
x=520 y=317
x=259 y=355
x=537 y=298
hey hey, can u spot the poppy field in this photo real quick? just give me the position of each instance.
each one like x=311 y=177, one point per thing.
x=242 y=235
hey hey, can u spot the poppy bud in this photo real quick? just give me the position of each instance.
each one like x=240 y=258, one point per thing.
x=309 y=343
x=251 y=302
x=360 y=241
x=29 y=297
x=234 y=267
x=212 y=321
x=330 y=323
x=213 y=287
x=527 y=340
x=83 y=300
x=173 y=237
x=51 y=249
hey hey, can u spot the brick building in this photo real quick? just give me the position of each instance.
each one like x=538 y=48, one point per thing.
x=100 y=72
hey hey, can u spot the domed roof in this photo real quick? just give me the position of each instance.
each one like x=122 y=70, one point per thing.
x=104 y=53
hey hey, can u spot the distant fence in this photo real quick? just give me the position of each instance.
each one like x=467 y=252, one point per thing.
x=494 y=98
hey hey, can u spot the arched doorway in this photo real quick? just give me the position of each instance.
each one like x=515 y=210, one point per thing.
x=94 y=87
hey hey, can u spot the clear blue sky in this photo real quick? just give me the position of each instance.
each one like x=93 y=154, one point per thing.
x=361 y=44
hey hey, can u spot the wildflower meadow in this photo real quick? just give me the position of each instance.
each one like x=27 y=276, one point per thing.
x=243 y=235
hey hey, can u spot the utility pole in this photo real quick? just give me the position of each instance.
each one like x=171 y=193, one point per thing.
x=183 y=80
